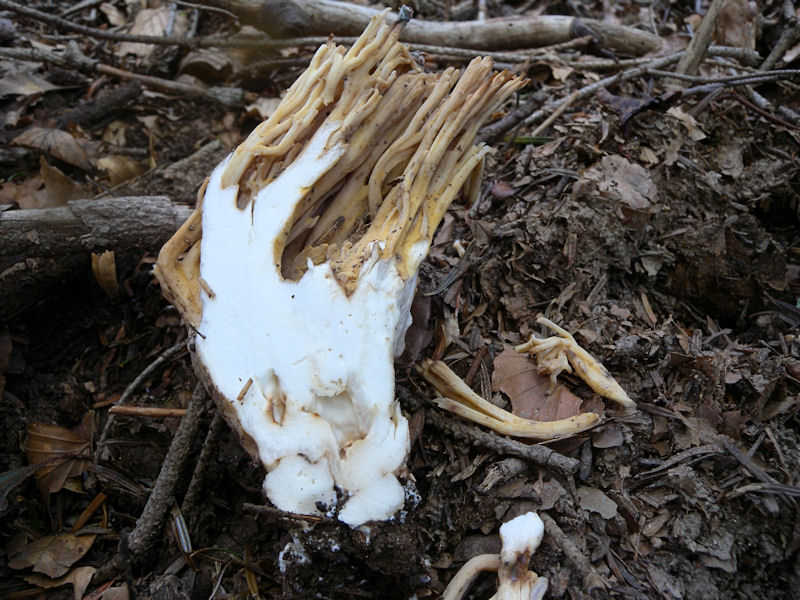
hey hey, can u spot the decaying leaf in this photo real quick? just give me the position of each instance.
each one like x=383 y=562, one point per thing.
x=518 y=378
x=45 y=441
x=60 y=188
x=119 y=167
x=104 y=268
x=78 y=578
x=53 y=555
x=151 y=21
x=24 y=84
x=736 y=24
x=54 y=142
x=594 y=500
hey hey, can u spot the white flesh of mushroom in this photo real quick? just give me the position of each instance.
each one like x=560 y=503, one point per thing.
x=321 y=404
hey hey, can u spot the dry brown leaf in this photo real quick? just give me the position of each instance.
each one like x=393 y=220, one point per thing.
x=54 y=142
x=262 y=108
x=60 y=188
x=518 y=378
x=104 y=268
x=30 y=191
x=79 y=578
x=53 y=555
x=595 y=500
x=151 y=21
x=119 y=168
x=45 y=441
x=736 y=24
x=24 y=83
x=609 y=436
x=114 y=15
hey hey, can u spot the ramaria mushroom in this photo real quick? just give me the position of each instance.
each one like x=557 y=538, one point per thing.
x=520 y=538
x=298 y=267
x=562 y=353
x=457 y=397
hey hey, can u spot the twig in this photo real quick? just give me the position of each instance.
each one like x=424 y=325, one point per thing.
x=282 y=514
x=196 y=483
x=149 y=524
x=744 y=55
x=168 y=354
x=767 y=115
x=593 y=582
x=73 y=58
x=789 y=37
x=701 y=40
x=555 y=114
x=147 y=411
x=537 y=454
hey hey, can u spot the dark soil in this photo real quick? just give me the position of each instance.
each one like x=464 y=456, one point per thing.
x=673 y=257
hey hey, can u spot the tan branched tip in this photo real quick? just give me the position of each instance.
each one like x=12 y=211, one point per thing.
x=562 y=353
x=457 y=397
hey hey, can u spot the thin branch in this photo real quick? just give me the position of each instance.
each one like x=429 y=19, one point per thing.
x=168 y=354
x=694 y=54
x=149 y=524
x=535 y=453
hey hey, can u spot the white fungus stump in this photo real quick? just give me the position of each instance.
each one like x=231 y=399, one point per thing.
x=298 y=267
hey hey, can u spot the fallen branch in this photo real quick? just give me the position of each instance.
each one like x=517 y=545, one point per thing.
x=148 y=526
x=538 y=455
x=283 y=18
x=41 y=248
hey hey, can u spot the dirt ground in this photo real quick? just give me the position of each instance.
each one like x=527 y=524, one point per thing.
x=660 y=228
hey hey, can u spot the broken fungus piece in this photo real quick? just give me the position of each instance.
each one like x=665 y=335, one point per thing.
x=562 y=353
x=298 y=267
x=457 y=397
x=520 y=538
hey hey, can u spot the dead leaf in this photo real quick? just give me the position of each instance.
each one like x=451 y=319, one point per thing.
x=609 y=436
x=561 y=73
x=115 y=133
x=60 y=188
x=79 y=578
x=45 y=441
x=105 y=272
x=695 y=132
x=595 y=500
x=113 y=14
x=53 y=555
x=501 y=190
x=26 y=193
x=119 y=168
x=151 y=21
x=736 y=24
x=24 y=83
x=214 y=66
x=56 y=143
x=518 y=378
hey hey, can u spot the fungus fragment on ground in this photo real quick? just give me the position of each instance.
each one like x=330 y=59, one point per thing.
x=457 y=397
x=520 y=538
x=553 y=355
x=298 y=267
x=562 y=353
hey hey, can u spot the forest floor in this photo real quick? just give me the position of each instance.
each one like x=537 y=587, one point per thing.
x=659 y=226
